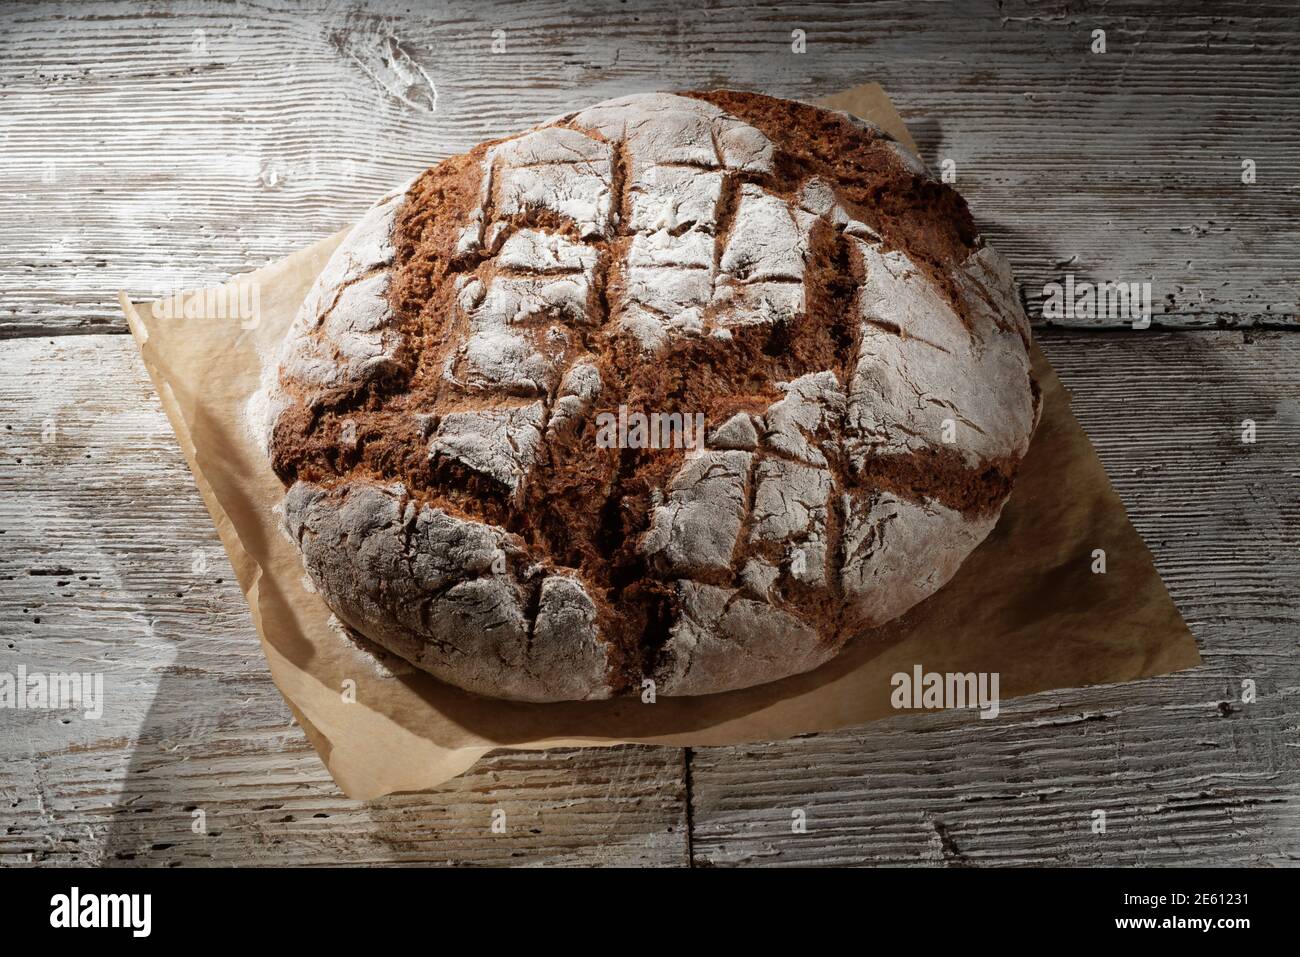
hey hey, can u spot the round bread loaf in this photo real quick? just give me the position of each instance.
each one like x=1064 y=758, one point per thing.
x=460 y=409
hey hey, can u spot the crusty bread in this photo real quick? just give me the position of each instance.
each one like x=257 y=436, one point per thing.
x=859 y=356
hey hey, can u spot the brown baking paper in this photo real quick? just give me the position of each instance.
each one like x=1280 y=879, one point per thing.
x=1026 y=604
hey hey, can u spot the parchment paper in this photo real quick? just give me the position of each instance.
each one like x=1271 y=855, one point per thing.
x=1026 y=604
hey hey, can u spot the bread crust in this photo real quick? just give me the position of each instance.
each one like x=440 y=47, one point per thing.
x=858 y=354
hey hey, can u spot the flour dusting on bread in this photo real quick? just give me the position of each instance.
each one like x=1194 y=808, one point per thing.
x=858 y=354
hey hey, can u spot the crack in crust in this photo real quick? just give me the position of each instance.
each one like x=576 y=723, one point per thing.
x=788 y=271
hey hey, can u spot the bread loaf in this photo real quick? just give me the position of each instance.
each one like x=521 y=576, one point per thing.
x=789 y=276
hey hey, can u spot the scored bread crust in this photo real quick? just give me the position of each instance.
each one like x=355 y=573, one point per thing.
x=794 y=274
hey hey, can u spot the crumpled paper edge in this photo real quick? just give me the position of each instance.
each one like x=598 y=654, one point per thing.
x=425 y=764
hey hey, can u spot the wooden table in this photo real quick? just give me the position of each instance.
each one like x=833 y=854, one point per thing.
x=172 y=146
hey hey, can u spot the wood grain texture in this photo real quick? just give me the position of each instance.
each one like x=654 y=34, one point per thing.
x=108 y=560
x=171 y=145
x=1186 y=772
x=175 y=144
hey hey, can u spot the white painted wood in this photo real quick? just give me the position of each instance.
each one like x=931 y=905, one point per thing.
x=190 y=141
x=180 y=157
x=108 y=557
x=109 y=563
x=1184 y=770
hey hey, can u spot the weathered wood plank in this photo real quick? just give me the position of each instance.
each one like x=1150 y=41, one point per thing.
x=172 y=145
x=1186 y=772
x=109 y=563
x=186 y=142
x=109 y=557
